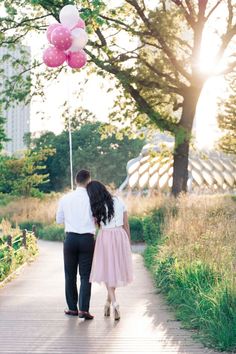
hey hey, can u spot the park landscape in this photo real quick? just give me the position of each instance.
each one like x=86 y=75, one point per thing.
x=187 y=239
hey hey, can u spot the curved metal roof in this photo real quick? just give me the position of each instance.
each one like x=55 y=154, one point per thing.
x=211 y=172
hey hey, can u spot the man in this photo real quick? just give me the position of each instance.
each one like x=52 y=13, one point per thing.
x=75 y=213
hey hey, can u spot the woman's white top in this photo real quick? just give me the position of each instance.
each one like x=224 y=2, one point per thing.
x=118 y=218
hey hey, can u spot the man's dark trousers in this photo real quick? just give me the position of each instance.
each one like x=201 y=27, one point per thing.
x=78 y=251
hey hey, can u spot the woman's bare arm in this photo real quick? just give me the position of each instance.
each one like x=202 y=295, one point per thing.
x=126 y=224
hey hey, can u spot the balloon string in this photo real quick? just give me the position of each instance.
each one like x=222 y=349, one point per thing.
x=69 y=83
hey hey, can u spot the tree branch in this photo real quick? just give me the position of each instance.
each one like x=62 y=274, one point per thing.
x=23 y=22
x=124 y=25
x=179 y=86
x=226 y=38
x=227 y=70
x=213 y=9
x=161 y=40
x=101 y=37
x=142 y=104
x=190 y=9
x=190 y=19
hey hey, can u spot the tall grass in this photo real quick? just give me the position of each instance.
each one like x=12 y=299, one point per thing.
x=204 y=229
x=31 y=209
x=138 y=205
x=193 y=263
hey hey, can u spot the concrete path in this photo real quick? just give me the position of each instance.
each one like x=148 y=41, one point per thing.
x=32 y=319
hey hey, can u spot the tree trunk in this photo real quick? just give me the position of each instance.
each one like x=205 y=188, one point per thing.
x=182 y=140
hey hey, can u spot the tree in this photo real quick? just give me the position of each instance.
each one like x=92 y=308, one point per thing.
x=227 y=121
x=105 y=158
x=22 y=176
x=3 y=137
x=160 y=75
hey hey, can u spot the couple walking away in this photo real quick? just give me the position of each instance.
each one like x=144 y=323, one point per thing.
x=108 y=260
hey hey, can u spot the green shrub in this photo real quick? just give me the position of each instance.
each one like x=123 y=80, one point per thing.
x=4 y=269
x=6 y=198
x=150 y=254
x=28 y=225
x=152 y=226
x=136 y=229
x=52 y=233
x=11 y=258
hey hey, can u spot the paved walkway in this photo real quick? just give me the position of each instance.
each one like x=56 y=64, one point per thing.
x=32 y=319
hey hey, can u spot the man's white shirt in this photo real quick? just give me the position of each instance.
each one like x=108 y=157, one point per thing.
x=75 y=213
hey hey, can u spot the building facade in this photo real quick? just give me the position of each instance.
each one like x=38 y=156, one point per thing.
x=18 y=114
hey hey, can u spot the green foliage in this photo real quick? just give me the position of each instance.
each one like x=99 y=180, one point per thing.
x=152 y=226
x=148 y=228
x=105 y=158
x=202 y=296
x=52 y=233
x=202 y=300
x=150 y=254
x=3 y=137
x=12 y=257
x=6 y=198
x=28 y=225
x=227 y=120
x=136 y=229
x=21 y=176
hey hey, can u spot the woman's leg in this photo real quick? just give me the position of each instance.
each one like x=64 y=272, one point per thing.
x=111 y=294
x=110 y=298
x=108 y=295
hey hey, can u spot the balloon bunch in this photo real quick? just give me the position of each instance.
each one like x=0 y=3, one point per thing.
x=68 y=39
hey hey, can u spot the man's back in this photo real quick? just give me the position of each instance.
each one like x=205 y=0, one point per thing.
x=75 y=212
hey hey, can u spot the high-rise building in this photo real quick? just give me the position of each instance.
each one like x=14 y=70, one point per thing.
x=18 y=114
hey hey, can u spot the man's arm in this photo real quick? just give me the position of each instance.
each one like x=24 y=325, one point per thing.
x=60 y=214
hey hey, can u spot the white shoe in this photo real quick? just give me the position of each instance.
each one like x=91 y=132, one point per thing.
x=107 y=310
x=116 y=310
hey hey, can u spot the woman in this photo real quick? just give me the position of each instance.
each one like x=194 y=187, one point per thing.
x=112 y=262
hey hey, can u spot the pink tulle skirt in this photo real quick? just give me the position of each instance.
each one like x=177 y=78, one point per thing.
x=112 y=260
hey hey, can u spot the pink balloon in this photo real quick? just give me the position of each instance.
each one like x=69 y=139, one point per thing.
x=61 y=37
x=53 y=57
x=76 y=60
x=50 y=29
x=80 y=24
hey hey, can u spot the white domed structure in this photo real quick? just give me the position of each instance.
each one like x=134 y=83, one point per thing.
x=208 y=172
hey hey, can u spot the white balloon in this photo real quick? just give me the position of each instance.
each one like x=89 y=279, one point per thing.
x=74 y=48
x=79 y=38
x=69 y=16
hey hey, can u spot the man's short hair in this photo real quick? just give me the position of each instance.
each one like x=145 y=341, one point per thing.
x=82 y=176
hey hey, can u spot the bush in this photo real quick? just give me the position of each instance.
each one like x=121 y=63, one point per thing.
x=6 y=198
x=150 y=254
x=152 y=226
x=11 y=258
x=136 y=229
x=52 y=233
x=28 y=225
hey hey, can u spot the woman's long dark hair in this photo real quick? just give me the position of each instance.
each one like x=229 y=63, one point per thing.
x=101 y=202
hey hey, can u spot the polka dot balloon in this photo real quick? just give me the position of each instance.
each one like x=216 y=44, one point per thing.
x=68 y=39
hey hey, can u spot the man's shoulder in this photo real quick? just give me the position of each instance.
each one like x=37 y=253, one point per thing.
x=79 y=195
x=67 y=195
